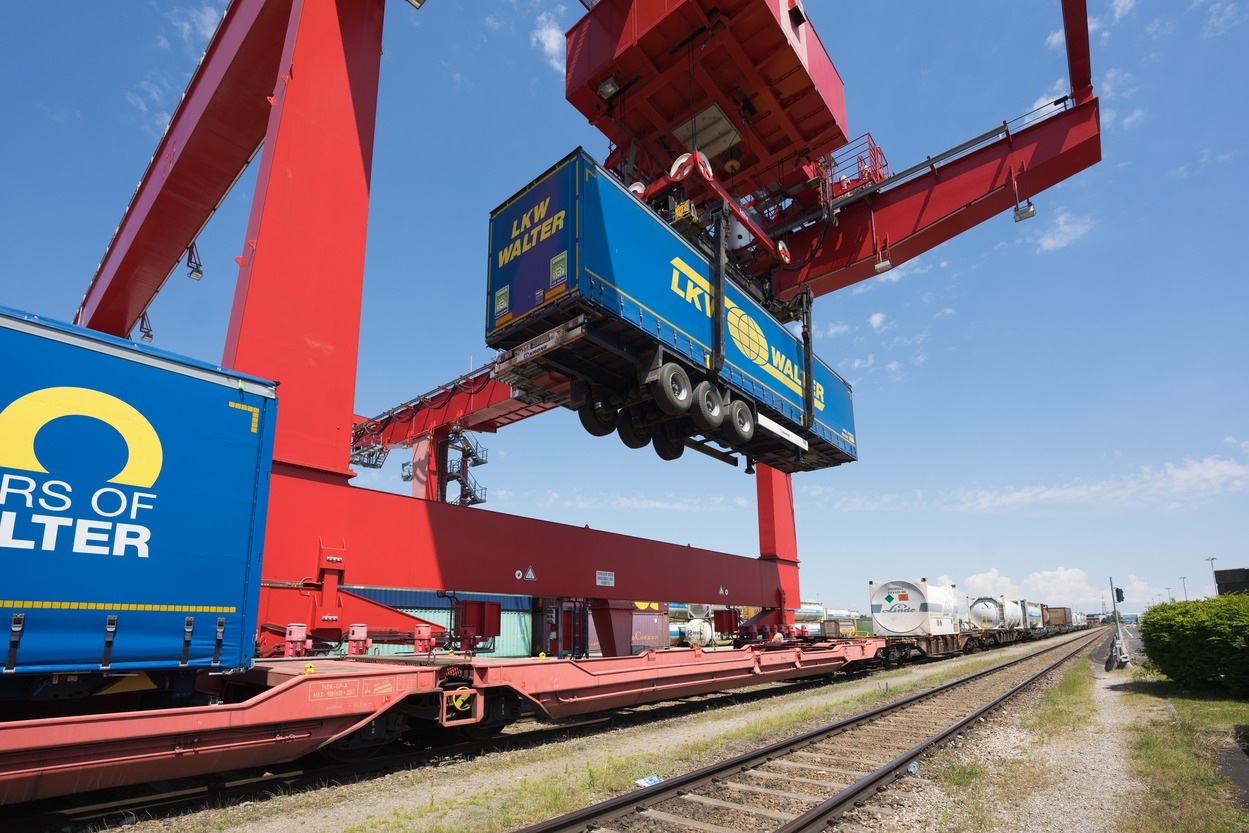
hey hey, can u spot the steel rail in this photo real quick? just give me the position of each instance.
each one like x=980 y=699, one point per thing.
x=818 y=818
x=598 y=815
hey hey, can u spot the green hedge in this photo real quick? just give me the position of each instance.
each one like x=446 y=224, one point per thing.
x=1203 y=644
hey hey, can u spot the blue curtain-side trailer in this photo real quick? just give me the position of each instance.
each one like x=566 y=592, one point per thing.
x=587 y=282
x=133 y=491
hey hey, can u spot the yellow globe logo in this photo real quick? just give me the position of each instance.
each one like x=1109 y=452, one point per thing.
x=748 y=336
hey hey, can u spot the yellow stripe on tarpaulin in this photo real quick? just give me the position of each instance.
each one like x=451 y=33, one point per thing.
x=155 y=608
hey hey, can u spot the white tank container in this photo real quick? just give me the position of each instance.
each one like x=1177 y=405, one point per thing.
x=985 y=612
x=913 y=608
x=991 y=612
x=1032 y=614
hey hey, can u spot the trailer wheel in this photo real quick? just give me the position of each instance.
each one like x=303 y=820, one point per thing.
x=667 y=445
x=597 y=420
x=740 y=423
x=632 y=432
x=707 y=409
x=672 y=390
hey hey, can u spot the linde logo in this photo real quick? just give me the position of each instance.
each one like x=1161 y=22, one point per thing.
x=38 y=511
x=898 y=607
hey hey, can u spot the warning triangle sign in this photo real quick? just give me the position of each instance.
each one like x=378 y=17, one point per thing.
x=529 y=576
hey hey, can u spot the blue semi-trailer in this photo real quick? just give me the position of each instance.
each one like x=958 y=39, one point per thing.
x=600 y=305
x=133 y=490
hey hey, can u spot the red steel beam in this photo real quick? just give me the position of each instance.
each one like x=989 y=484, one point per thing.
x=474 y=402
x=1079 y=65
x=399 y=541
x=918 y=214
x=213 y=134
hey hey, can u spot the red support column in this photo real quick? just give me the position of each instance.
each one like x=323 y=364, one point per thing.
x=778 y=538
x=296 y=315
x=425 y=474
x=613 y=622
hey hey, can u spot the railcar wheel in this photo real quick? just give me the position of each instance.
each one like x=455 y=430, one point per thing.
x=667 y=444
x=707 y=409
x=740 y=422
x=597 y=419
x=672 y=390
x=632 y=431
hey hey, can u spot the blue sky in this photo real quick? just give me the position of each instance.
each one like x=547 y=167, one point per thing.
x=1039 y=406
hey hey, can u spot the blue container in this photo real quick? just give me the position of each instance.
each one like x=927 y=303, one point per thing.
x=576 y=242
x=133 y=489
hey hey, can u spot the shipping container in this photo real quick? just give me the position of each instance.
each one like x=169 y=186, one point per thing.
x=990 y=612
x=1059 y=617
x=133 y=491
x=913 y=608
x=1034 y=619
x=594 y=299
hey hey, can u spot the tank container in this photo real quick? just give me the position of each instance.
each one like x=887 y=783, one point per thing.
x=913 y=608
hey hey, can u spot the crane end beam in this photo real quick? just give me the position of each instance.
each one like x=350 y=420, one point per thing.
x=920 y=213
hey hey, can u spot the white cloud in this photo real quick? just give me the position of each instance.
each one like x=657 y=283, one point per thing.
x=1060 y=587
x=837 y=328
x=1117 y=83
x=151 y=91
x=195 y=26
x=1056 y=40
x=1220 y=17
x=1045 y=101
x=990 y=583
x=1137 y=116
x=493 y=22
x=897 y=273
x=1159 y=28
x=549 y=37
x=1243 y=445
x=877 y=321
x=1166 y=488
x=60 y=115
x=1066 y=229
x=862 y=364
x=136 y=101
x=944 y=312
x=1121 y=8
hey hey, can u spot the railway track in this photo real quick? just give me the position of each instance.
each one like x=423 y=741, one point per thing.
x=803 y=784
x=104 y=809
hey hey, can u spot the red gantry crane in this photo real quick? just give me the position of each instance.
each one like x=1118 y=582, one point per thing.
x=735 y=101
x=746 y=83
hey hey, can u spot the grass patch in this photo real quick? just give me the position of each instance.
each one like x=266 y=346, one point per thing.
x=1176 y=756
x=1067 y=706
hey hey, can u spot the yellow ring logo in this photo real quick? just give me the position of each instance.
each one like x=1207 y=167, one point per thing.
x=22 y=420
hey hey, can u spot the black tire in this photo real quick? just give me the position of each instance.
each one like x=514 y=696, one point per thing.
x=597 y=421
x=667 y=445
x=707 y=409
x=633 y=432
x=739 y=423
x=672 y=390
